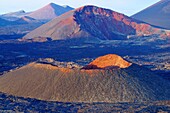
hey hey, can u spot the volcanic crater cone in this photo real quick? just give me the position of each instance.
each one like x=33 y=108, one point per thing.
x=128 y=83
x=107 y=62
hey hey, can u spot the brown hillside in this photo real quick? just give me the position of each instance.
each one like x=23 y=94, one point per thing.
x=47 y=82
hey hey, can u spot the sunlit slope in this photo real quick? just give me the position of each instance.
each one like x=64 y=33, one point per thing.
x=47 y=82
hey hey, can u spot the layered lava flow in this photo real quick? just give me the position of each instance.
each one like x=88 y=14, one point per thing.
x=125 y=83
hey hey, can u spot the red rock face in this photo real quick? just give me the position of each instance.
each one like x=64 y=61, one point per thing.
x=102 y=23
x=109 y=61
x=107 y=24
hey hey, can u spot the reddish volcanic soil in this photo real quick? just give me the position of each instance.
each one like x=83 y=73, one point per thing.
x=107 y=62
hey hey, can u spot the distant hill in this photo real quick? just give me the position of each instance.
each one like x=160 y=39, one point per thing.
x=93 y=23
x=18 y=26
x=157 y=14
x=24 y=22
x=13 y=16
x=51 y=82
x=49 y=12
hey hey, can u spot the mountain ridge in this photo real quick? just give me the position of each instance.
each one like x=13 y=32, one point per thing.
x=156 y=14
x=21 y=22
x=92 y=22
x=49 y=12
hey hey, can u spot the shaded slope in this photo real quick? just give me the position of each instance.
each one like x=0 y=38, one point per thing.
x=19 y=21
x=93 y=23
x=157 y=14
x=46 y=82
x=20 y=26
x=27 y=20
x=4 y=22
x=49 y=12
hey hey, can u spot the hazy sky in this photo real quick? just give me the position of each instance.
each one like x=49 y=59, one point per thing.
x=127 y=7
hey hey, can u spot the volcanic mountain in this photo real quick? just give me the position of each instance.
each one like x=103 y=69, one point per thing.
x=49 y=12
x=157 y=14
x=127 y=83
x=91 y=22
